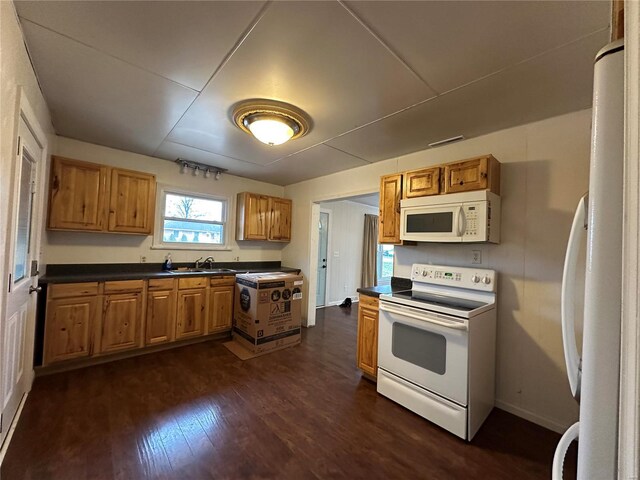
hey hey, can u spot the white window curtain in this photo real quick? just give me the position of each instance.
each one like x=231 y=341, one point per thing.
x=369 y=251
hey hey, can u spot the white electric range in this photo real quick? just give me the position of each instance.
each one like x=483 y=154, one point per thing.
x=436 y=346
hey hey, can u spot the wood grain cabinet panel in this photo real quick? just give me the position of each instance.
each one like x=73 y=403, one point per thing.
x=192 y=308
x=161 y=316
x=367 y=348
x=280 y=219
x=480 y=173
x=220 y=309
x=131 y=203
x=121 y=322
x=389 y=219
x=421 y=183
x=252 y=216
x=77 y=195
x=68 y=328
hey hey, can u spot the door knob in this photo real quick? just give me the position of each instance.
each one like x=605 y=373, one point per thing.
x=35 y=289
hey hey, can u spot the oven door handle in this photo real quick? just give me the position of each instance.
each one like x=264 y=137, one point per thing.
x=405 y=313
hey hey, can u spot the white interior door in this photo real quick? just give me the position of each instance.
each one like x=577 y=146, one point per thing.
x=323 y=245
x=17 y=326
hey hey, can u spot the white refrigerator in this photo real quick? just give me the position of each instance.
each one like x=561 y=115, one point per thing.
x=594 y=378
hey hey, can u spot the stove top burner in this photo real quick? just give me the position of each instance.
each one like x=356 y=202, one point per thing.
x=460 y=304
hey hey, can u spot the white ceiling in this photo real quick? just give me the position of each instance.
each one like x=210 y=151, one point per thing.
x=379 y=79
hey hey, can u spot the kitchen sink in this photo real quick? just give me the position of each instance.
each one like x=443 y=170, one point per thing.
x=201 y=270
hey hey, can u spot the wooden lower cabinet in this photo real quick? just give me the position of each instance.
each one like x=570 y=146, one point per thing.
x=68 y=329
x=161 y=317
x=192 y=307
x=121 y=322
x=220 y=308
x=367 y=349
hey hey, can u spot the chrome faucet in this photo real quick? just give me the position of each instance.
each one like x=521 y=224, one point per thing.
x=197 y=262
x=209 y=260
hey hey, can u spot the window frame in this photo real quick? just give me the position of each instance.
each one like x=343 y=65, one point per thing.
x=379 y=255
x=158 y=242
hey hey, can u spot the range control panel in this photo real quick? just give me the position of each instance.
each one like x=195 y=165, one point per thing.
x=460 y=277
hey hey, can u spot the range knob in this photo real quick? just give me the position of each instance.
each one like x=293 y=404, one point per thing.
x=424 y=273
x=486 y=280
x=475 y=278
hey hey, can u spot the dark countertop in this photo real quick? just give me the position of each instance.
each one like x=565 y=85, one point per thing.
x=133 y=271
x=398 y=284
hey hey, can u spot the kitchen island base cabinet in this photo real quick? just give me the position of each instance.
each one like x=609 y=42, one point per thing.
x=192 y=305
x=68 y=328
x=121 y=322
x=367 y=348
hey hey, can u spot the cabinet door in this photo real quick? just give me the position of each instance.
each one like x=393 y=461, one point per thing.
x=68 y=328
x=161 y=316
x=252 y=216
x=121 y=322
x=132 y=201
x=479 y=173
x=220 y=308
x=191 y=313
x=368 y=340
x=77 y=195
x=280 y=219
x=420 y=183
x=389 y=220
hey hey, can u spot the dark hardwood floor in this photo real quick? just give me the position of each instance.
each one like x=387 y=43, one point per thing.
x=198 y=413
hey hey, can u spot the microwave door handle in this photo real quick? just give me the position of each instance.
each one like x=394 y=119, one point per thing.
x=460 y=222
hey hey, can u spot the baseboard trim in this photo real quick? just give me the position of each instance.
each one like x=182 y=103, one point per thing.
x=12 y=428
x=532 y=417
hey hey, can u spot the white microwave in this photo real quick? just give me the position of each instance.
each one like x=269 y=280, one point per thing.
x=455 y=217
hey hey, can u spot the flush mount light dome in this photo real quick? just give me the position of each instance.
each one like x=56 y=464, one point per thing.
x=271 y=122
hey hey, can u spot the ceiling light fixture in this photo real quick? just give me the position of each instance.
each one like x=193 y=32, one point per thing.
x=207 y=173
x=183 y=169
x=218 y=175
x=271 y=122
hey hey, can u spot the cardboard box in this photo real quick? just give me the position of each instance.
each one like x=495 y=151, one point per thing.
x=268 y=309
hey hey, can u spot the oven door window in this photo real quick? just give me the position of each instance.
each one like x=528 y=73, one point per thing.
x=435 y=222
x=422 y=348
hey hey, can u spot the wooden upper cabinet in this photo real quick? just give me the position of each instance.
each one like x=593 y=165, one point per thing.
x=77 y=195
x=280 y=219
x=389 y=219
x=94 y=197
x=420 y=183
x=480 y=173
x=252 y=216
x=131 y=202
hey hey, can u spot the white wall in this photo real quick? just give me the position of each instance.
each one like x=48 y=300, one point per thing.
x=85 y=247
x=544 y=172
x=346 y=235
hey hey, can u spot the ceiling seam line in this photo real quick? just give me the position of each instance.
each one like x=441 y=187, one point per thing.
x=525 y=60
x=215 y=153
x=470 y=83
x=380 y=40
x=347 y=153
x=151 y=72
x=245 y=34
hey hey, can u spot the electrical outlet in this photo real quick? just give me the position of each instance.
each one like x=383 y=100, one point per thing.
x=143 y=259
x=476 y=257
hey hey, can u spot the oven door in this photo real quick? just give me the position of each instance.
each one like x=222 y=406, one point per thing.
x=442 y=223
x=425 y=348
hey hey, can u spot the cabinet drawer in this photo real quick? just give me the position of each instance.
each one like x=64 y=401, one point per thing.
x=192 y=282
x=223 y=281
x=123 y=286
x=368 y=301
x=64 y=290
x=161 y=283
